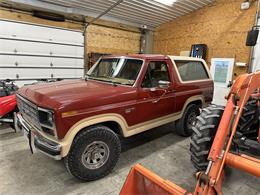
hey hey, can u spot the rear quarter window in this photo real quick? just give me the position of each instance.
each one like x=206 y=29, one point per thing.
x=191 y=70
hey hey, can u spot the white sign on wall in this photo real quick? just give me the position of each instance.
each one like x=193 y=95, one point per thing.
x=222 y=72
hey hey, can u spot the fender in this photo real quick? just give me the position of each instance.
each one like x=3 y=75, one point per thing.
x=77 y=127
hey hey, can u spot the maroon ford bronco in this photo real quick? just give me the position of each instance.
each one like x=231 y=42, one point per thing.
x=80 y=121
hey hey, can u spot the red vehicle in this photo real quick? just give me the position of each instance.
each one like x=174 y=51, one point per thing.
x=81 y=121
x=8 y=107
x=8 y=104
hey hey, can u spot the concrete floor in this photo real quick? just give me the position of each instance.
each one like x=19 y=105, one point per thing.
x=159 y=150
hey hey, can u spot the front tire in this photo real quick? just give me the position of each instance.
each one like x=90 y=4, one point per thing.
x=93 y=154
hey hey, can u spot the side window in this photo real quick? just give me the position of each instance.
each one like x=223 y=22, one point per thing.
x=191 y=70
x=156 y=71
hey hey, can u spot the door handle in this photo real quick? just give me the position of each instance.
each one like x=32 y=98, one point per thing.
x=164 y=93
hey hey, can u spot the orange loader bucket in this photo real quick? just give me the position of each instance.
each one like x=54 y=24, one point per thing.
x=141 y=181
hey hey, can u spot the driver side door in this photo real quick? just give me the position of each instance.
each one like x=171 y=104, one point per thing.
x=155 y=101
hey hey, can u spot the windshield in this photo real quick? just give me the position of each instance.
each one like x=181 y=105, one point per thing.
x=116 y=70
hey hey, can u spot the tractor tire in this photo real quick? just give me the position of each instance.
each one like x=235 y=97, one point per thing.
x=184 y=125
x=248 y=125
x=203 y=135
x=93 y=154
x=207 y=124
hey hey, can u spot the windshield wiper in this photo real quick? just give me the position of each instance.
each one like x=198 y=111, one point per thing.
x=100 y=78
x=106 y=77
x=94 y=77
x=115 y=83
x=87 y=76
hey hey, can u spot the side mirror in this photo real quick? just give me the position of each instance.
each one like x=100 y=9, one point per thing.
x=252 y=37
x=164 y=84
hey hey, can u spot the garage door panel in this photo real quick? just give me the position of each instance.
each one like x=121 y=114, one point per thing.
x=39 y=73
x=20 y=61
x=14 y=47
x=60 y=62
x=45 y=33
x=28 y=61
x=31 y=51
x=76 y=73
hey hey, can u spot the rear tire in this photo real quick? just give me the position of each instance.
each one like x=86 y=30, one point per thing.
x=93 y=154
x=184 y=125
x=203 y=135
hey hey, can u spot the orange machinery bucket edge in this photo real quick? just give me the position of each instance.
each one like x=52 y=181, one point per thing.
x=141 y=181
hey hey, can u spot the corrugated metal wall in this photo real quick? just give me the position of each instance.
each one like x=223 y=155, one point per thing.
x=146 y=12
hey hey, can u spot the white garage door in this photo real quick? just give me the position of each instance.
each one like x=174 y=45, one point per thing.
x=29 y=52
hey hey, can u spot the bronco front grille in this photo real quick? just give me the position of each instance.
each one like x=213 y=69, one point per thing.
x=28 y=109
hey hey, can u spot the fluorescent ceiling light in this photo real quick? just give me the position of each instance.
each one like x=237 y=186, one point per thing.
x=166 y=2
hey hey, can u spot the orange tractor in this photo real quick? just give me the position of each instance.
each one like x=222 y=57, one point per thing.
x=141 y=181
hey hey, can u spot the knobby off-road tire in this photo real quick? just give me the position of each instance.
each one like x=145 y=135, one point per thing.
x=184 y=125
x=203 y=135
x=207 y=124
x=248 y=125
x=93 y=154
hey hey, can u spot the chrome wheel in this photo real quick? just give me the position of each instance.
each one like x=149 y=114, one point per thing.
x=191 y=120
x=95 y=155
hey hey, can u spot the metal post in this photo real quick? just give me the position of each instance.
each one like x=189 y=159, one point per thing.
x=146 y=41
x=85 y=46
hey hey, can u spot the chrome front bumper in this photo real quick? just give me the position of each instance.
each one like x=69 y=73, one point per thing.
x=38 y=141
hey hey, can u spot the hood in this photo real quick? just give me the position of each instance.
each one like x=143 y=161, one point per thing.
x=75 y=93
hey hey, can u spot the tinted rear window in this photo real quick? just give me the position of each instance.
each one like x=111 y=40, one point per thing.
x=191 y=70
